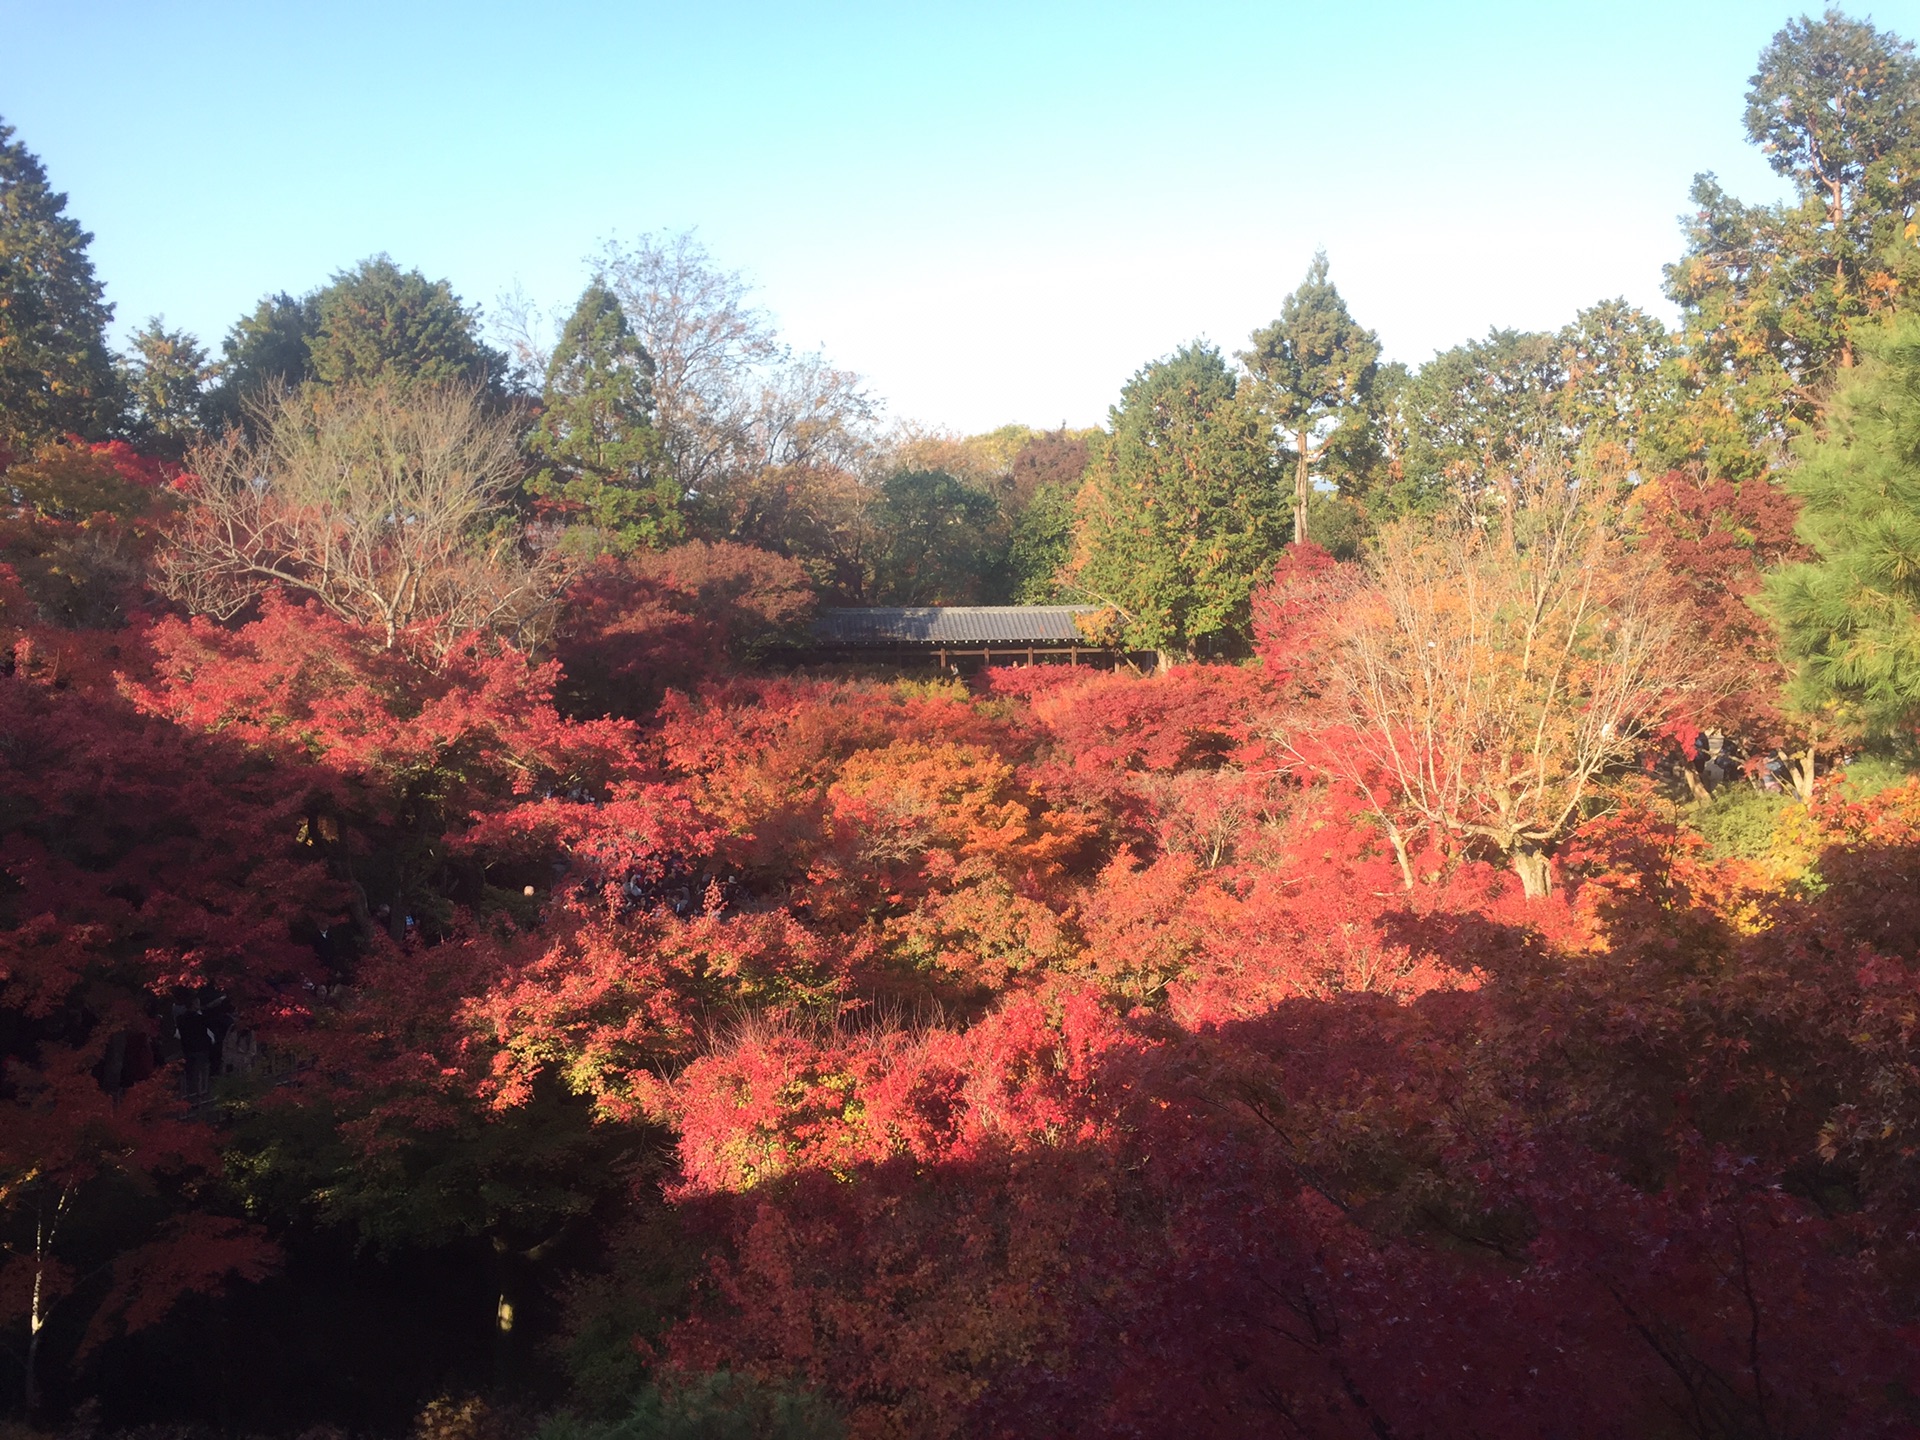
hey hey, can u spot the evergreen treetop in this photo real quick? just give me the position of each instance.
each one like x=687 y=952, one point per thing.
x=56 y=373
x=1850 y=618
x=1181 y=514
x=599 y=449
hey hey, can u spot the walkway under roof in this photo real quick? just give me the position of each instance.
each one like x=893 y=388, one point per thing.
x=949 y=625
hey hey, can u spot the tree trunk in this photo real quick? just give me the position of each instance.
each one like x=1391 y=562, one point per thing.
x=1536 y=876
x=1302 y=488
x=43 y=1232
x=1800 y=772
x=503 y=1316
x=1695 y=786
x=36 y=1323
x=1399 y=843
x=1837 y=213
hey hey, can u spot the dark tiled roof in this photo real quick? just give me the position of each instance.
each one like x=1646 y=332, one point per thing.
x=952 y=625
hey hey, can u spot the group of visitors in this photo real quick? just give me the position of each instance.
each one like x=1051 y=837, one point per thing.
x=201 y=1032
x=1710 y=760
x=195 y=1030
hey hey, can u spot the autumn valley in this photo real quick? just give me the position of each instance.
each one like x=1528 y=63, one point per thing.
x=1437 y=956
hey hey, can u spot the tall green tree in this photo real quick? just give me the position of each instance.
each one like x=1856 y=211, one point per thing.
x=1181 y=515
x=166 y=378
x=1833 y=105
x=601 y=455
x=940 y=542
x=56 y=373
x=270 y=346
x=1773 y=294
x=377 y=324
x=1042 y=480
x=1474 y=414
x=1040 y=544
x=1617 y=389
x=1313 y=371
x=1850 y=618
x=1598 y=394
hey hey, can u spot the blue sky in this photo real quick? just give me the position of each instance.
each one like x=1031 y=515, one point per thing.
x=993 y=212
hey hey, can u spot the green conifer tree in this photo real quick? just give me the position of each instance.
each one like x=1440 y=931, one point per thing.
x=941 y=542
x=1850 y=618
x=1313 y=370
x=1181 y=515
x=270 y=346
x=56 y=373
x=377 y=324
x=1772 y=294
x=166 y=378
x=599 y=449
x=1040 y=543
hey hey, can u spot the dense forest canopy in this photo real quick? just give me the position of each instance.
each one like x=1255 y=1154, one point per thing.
x=467 y=970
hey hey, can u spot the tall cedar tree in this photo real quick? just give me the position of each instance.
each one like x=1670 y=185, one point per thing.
x=270 y=347
x=1598 y=392
x=373 y=325
x=379 y=324
x=1040 y=542
x=1314 y=370
x=1833 y=107
x=942 y=542
x=1043 y=478
x=56 y=375
x=1181 y=515
x=166 y=378
x=601 y=455
x=1616 y=389
x=1471 y=415
x=1774 y=294
x=1850 y=618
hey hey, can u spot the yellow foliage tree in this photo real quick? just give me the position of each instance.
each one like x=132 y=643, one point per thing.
x=1499 y=662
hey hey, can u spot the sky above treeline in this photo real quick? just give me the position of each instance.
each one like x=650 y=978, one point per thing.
x=993 y=212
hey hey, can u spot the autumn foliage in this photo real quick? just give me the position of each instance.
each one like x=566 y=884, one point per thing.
x=478 y=963
x=1062 y=1051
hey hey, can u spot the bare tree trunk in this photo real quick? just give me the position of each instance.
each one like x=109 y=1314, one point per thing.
x=36 y=1322
x=1302 y=488
x=1399 y=843
x=43 y=1231
x=1837 y=214
x=1536 y=876
x=502 y=1313
x=1695 y=786
x=1800 y=772
x=507 y=1264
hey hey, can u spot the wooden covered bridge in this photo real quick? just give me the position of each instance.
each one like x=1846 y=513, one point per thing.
x=956 y=637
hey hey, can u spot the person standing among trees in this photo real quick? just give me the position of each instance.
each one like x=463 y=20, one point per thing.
x=196 y=1050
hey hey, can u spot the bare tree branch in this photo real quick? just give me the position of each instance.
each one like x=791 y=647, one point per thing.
x=1499 y=662
x=389 y=508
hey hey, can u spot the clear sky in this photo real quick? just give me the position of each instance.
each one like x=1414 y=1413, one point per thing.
x=993 y=212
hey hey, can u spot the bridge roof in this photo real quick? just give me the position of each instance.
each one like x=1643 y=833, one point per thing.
x=952 y=625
